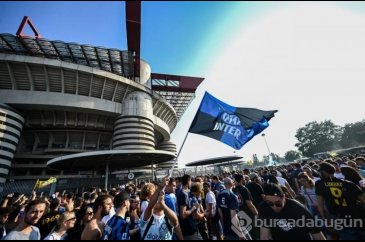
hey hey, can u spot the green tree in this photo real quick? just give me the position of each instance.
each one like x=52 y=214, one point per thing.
x=353 y=135
x=318 y=137
x=292 y=155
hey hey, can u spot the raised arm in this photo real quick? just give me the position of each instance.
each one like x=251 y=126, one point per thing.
x=148 y=212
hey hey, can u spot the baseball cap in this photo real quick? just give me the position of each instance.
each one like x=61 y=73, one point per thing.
x=120 y=198
x=271 y=189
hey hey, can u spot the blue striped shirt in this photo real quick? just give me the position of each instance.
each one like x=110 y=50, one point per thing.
x=116 y=229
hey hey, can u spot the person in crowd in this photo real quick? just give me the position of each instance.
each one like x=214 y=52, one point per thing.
x=4 y=216
x=84 y=216
x=228 y=208
x=307 y=169
x=255 y=189
x=210 y=212
x=353 y=176
x=342 y=199
x=65 y=222
x=95 y=228
x=187 y=212
x=245 y=201
x=135 y=216
x=147 y=191
x=294 y=177
x=49 y=219
x=353 y=164
x=118 y=227
x=283 y=182
x=158 y=221
x=360 y=161
x=309 y=192
x=196 y=192
x=337 y=163
x=27 y=230
x=171 y=202
x=278 y=208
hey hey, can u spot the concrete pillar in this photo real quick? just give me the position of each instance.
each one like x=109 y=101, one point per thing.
x=134 y=129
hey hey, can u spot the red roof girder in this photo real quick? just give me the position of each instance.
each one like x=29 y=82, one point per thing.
x=133 y=17
x=186 y=83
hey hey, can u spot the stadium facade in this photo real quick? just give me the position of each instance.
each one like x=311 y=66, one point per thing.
x=62 y=99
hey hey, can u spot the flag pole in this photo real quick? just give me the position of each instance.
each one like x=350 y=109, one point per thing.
x=186 y=137
x=178 y=154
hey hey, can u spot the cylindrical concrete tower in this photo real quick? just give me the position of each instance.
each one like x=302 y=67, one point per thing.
x=11 y=125
x=134 y=129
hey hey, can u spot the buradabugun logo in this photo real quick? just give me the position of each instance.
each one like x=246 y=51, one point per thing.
x=245 y=224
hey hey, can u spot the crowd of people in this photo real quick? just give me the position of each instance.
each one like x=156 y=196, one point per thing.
x=256 y=204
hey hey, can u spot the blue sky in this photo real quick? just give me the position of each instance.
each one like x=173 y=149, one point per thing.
x=291 y=56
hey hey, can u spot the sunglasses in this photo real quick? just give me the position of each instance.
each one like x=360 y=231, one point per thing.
x=72 y=219
x=277 y=204
x=90 y=213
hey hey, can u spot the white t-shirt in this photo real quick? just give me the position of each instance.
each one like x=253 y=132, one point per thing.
x=55 y=236
x=144 y=206
x=362 y=183
x=310 y=195
x=158 y=230
x=282 y=181
x=339 y=176
x=210 y=199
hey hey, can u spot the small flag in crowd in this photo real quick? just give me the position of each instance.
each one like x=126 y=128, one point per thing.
x=41 y=184
x=230 y=125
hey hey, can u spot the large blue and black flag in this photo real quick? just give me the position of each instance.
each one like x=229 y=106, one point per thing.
x=230 y=125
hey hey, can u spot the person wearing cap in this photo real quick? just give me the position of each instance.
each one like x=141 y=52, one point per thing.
x=343 y=200
x=255 y=189
x=65 y=222
x=118 y=227
x=277 y=211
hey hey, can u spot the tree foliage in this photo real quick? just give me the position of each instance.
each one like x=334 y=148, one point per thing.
x=292 y=155
x=318 y=137
x=353 y=135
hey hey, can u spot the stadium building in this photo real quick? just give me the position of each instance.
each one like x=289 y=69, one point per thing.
x=69 y=110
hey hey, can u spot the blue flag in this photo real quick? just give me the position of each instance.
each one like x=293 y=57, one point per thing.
x=230 y=125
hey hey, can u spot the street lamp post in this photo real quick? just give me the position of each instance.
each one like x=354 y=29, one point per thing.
x=264 y=135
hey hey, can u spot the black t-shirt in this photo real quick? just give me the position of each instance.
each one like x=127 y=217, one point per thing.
x=243 y=195
x=340 y=197
x=188 y=226
x=256 y=193
x=282 y=226
x=227 y=201
x=47 y=222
